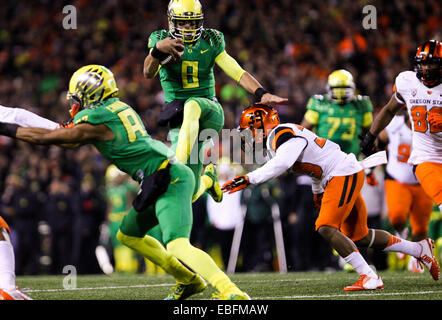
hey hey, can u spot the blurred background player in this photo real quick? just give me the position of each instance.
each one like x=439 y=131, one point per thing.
x=420 y=91
x=184 y=57
x=8 y=289
x=404 y=195
x=340 y=115
x=337 y=180
x=120 y=192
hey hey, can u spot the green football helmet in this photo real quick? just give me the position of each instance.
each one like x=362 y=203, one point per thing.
x=90 y=84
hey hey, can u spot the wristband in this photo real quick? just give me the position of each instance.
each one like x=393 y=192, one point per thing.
x=157 y=54
x=259 y=93
x=8 y=129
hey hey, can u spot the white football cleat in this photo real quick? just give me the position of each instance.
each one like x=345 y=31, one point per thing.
x=427 y=257
x=415 y=266
x=13 y=295
x=366 y=283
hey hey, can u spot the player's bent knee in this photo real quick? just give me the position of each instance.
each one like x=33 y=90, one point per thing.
x=327 y=232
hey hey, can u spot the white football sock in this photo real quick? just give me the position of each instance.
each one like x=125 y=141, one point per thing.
x=408 y=247
x=357 y=261
x=7 y=266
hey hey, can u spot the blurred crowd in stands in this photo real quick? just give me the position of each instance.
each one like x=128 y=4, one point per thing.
x=55 y=199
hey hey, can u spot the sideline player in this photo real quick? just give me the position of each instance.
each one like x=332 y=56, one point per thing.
x=405 y=197
x=8 y=289
x=117 y=132
x=340 y=115
x=337 y=180
x=184 y=57
x=421 y=92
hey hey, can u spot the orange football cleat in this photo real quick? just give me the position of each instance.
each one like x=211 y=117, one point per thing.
x=366 y=283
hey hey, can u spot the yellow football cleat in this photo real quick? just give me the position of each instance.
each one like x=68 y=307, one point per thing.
x=183 y=291
x=230 y=296
x=215 y=190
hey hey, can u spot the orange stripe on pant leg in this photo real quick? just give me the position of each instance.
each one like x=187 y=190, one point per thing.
x=429 y=175
x=336 y=204
x=355 y=224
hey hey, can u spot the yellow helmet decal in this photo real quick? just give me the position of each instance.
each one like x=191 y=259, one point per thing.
x=92 y=83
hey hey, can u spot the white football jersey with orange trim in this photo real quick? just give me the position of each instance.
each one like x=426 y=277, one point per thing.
x=321 y=159
x=427 y=141
x=399 y=150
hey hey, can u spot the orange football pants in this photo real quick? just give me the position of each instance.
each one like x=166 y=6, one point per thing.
x=3 y=224
x=429 y=175
x=407 y=200
x=343 y=207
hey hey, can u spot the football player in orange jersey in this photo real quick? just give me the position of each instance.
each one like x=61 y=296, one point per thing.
x=405 y=197
x=337 y=179
x=421 y=92
x=8 y=290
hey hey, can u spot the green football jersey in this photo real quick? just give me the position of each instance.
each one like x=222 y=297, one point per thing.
x=192 y=75
x=340 y=124
x=132 y=149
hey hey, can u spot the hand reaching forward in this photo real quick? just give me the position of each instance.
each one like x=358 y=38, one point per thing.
x=236 y=184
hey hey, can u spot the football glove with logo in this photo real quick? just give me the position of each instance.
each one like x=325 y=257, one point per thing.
x=236 y=184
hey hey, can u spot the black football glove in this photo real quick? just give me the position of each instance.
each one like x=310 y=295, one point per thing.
x=367 y=144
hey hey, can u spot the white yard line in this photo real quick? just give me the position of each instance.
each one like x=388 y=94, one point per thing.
x=350 y=295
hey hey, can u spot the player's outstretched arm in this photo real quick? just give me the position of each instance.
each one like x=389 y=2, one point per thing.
x=382 y=119
x=25 y=118
x=231 y=67
x=65 y=137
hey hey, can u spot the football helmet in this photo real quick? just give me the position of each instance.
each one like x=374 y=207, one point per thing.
x=341 y=87
x=180 y=12
x=260 y=119
x=427 y=63
x=90 y=84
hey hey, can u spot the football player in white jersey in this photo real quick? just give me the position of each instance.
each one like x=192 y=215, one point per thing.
x=405 y=197
x=337 y=180
x=421 y=92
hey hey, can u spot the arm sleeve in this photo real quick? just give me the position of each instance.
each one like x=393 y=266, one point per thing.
x=229 y=65
x=286 y=155
x=25 y=118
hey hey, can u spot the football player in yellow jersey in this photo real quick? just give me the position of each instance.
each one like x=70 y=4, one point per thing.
x=184 y=57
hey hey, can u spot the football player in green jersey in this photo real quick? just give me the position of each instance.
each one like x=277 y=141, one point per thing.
x=184 y=57
x=340 y=115
x=165 y=195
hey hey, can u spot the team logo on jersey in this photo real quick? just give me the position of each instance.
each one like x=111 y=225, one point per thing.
x=429 y=92
x=413 y=92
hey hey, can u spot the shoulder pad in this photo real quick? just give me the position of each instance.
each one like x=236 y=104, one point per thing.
x=405 y=80
x=214 y=37
x=162 y=34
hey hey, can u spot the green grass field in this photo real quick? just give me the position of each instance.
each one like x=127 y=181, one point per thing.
x=399 y=285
